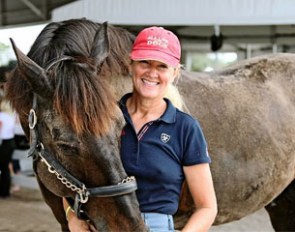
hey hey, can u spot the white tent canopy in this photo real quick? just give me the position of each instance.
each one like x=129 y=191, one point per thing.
x=181 y=12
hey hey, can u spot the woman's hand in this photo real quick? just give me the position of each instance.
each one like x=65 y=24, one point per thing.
x=77 y=225
x=74 y=223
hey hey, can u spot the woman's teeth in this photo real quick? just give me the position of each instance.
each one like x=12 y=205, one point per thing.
x=151 y=83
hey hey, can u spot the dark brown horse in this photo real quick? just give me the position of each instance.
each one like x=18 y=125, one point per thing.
x=75 y=122
x=72 y=77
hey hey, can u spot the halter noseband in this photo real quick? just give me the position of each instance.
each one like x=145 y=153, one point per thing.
x=38 y=151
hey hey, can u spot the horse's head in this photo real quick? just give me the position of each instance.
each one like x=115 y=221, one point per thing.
x=74 y=121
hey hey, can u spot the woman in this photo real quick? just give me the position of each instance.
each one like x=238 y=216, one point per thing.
x=160 y=145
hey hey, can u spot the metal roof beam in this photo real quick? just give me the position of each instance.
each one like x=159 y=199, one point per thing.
x=35 y=9
x=2 y=12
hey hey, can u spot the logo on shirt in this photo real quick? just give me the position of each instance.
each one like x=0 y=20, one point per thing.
x=165 y=138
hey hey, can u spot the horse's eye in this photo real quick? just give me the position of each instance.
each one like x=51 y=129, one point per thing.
x=67 y=148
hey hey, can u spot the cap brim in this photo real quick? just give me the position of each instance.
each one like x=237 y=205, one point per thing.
x=154 y=55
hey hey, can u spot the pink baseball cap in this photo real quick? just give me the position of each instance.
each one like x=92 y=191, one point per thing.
x=157 y=43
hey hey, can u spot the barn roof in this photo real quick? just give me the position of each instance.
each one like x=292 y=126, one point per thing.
x=14 y=13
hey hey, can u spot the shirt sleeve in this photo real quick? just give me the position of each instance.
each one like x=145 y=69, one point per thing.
x=195 y=146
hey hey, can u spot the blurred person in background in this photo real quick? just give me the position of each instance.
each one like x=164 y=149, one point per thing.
x=7 y=129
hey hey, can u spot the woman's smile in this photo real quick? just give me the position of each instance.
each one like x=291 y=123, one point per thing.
x=150 y=83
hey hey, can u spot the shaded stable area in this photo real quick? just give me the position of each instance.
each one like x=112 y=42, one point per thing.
x=248 y=229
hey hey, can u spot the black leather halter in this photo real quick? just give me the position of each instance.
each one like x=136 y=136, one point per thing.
x=38 y=152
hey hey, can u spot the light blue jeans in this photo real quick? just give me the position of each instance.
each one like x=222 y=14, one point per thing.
x=158 y=222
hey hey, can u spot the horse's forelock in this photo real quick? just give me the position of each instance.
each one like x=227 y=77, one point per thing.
x=84 y=99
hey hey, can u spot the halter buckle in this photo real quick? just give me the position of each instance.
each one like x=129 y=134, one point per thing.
x=32 y=119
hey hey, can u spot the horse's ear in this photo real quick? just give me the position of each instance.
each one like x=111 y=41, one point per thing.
x=33 y=73
x=100 y=47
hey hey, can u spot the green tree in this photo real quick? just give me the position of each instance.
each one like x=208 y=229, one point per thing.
x=4 y=50
x=3 y=47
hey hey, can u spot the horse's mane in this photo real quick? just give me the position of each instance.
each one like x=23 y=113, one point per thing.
x=81 y=93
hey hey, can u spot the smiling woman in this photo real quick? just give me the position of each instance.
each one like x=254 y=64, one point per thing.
x=161 y=146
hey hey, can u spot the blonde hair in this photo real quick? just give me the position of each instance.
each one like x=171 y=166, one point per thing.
x=173 y=94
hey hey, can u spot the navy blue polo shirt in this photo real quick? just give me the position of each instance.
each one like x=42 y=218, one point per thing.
x=156 y=155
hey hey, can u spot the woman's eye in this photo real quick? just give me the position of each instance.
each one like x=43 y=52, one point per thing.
x=143 y=62
x=163 y=66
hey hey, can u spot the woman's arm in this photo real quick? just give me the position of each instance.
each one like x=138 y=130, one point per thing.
x=200 y=183
x=74 y=223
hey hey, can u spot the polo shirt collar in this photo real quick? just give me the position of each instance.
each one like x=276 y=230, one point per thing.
x=169 y=115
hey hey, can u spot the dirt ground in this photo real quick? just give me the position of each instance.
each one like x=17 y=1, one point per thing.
x=25 y=211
